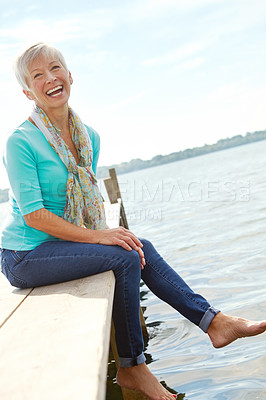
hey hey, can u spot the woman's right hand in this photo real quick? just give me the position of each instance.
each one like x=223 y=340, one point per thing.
x=121 y=237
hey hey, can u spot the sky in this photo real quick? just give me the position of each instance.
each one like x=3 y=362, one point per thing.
x=150 y=76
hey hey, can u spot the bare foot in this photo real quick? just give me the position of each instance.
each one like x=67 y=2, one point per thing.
x=141 y=379
x=224 y=329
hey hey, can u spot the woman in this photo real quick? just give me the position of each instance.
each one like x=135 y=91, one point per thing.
x=56 y=230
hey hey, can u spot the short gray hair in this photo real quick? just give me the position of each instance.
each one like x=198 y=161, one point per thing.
x=23 y=62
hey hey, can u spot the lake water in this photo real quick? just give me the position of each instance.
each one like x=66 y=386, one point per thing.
x=207 y=217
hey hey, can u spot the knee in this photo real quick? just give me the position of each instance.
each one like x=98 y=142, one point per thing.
x=127 y=258
x=132 y=258
x=147 y=245
x=129 y=264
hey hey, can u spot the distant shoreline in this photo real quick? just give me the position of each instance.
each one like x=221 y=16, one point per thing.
x=222 y=144
x=138 y=164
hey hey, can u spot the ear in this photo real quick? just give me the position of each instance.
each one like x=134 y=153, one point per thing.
x=28 y=94
x=70 y=77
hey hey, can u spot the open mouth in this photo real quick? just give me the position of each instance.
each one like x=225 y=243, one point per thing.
x=55 y=91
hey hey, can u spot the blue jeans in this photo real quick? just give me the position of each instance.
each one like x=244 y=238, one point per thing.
x=59 y=261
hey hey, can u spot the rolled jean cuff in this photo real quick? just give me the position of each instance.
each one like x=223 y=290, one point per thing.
x=132 y=362
x=207 y=318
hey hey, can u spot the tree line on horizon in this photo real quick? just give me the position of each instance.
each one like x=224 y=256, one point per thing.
x=137 y=164
x=222 y=144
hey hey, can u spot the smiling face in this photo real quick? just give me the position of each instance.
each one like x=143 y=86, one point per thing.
x=49 y=83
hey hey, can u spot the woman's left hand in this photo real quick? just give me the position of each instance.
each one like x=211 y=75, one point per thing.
x=121 y=237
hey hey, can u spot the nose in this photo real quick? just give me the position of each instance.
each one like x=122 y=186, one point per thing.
x=50 y=77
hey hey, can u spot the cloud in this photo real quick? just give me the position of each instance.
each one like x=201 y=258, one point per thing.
x=87 y=25
x=236 y=95
x=182 y=52
x=46 y=30
x=147 y=9
x=230 y=19
x=191 y=64
x=179 y=4
x=124 y=102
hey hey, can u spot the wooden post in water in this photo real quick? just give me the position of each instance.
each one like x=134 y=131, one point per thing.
x=113 y=191
x=114 y=194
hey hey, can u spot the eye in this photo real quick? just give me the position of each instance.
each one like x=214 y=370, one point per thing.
x=55 y=67
x=37 y=75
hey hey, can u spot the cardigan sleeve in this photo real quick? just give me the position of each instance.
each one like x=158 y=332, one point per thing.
x=20 y=163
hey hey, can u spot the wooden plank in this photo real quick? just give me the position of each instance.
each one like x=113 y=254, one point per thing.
x=112 y=173
x=10 y=299
x=110 y=190
x=114 y=194
x=56 y=346
x=117 y=193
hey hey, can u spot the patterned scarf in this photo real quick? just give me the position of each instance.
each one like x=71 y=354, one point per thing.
x=84 y=206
